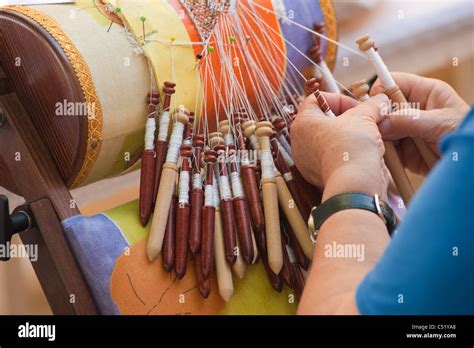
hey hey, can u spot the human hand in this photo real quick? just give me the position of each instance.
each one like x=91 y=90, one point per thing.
x=439 y=111
x=345 y=153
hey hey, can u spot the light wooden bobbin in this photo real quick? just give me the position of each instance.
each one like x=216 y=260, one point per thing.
x=366 y=44
x=360 y=90
x=270 y=199
x=249 y=128
x=223 y=268
x=293 y=216
x=392 y=160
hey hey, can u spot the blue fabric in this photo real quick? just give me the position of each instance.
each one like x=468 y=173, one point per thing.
x=97 y=242
x=306 y=13
x=428 y=268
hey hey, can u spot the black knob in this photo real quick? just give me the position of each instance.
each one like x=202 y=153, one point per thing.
x=9 y=225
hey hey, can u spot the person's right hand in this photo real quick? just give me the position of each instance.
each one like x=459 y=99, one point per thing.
x=441 y=110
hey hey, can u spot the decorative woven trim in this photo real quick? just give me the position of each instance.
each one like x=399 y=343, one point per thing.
x=83 y=74
x=329 y=15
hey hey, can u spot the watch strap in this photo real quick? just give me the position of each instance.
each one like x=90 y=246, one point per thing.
x=354 y=200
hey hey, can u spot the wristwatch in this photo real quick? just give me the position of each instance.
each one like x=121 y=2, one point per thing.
x=351 y=200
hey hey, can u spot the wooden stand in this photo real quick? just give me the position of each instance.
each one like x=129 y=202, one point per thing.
x=27 y=168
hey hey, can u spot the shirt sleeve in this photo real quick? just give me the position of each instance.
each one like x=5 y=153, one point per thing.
x=428 y=267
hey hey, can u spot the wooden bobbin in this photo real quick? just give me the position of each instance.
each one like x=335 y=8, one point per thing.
x=208 y=218
x=360 y=90
x=430 y=158
x=169 y=242
x=392 y=160
x=250 y=185
x=303 y=206
x=204 y=284
x=301 y=258
x=224 y=123
x=395 y=94
x=163 y=201
x=365 y=42
x=293 y=216
x=226 y=206
x=223 y=268
x=161 y=145
x=216 y=139
x=249 y=128
x=286 y=274
x=197 y=198
x=270 y=203
x=183 y=218
x=225 y=128
x=239 y=267
x=281 y=128
x=147 y=170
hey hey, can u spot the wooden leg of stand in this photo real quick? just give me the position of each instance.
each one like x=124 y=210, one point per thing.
x=56 y=268
x=37 y=179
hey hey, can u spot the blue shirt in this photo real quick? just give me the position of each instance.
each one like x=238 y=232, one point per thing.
x=428 y=267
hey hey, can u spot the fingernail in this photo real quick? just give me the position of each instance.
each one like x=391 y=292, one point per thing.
x=384 y=126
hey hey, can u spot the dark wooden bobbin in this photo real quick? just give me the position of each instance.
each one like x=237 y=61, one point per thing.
x=147 y=170
x=183 y=218
x=226 y=208
x=197 y=198
x=208 y=218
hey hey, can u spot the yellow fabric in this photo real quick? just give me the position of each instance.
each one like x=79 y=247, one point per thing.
x=252 y=295
x=164 y=23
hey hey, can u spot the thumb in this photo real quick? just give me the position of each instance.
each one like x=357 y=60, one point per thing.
x=375 y=108
x=408 y=123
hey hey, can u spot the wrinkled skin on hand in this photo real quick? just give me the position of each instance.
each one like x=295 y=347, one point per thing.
x=348 y=147
x=440 y=112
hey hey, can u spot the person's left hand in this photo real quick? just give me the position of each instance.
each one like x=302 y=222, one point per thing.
x=347 y=150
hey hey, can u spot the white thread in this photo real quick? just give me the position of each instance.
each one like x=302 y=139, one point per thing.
x=187 y=142
x=197 y=183
x=232 y=6
x=282 y=140
x=287 y=176
x=229 y=139
x=286 y=157
x=175 y=143
x=254 y=142
x=330 y=114
x=150 y=133
x=184 y=187
x=208 y=196
x=215 y=192
x=237 y=188
x=266 y=162
x=224 y=187
x=164 y=124
x=244 y=157
x=331 y=84
x=280 y=9
x=381 y=69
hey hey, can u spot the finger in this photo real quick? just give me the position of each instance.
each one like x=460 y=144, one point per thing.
x=429 y=93
x=310 y=109
x=375 y=108
x=339 y=103
x=410 y=123
x=411 y=158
